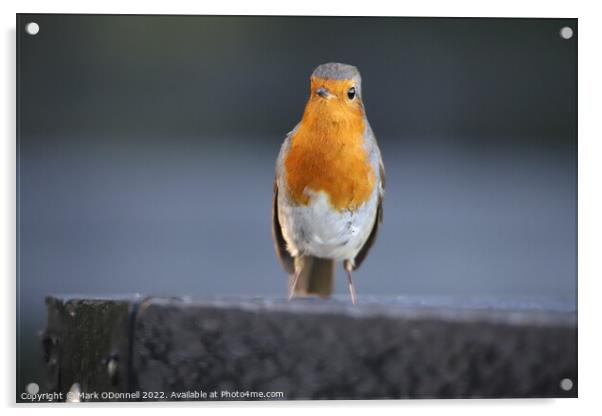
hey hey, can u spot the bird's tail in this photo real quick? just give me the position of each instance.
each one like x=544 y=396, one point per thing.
x=316 y=276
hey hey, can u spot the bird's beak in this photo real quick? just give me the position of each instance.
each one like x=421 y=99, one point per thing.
x=324 y=93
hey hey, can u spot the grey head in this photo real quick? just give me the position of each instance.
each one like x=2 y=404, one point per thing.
x=338 y=71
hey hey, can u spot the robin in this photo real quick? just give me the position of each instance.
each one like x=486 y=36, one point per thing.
x=329 y=185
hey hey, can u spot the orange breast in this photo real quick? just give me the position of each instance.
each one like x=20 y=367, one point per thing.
x=327 y=154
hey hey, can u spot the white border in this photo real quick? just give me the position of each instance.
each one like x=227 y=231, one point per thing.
x=590 y=204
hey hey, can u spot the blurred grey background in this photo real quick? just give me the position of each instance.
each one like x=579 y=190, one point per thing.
x=146 y=148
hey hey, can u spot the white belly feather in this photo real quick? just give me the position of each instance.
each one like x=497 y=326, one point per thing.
x=319 y=230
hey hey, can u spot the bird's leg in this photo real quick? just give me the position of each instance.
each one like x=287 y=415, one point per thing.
x=291 y=289
x=348 y=267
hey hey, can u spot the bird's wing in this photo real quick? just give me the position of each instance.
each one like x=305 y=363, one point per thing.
x=279 y=244
x=359 y=258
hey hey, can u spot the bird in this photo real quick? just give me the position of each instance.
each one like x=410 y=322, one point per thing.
x=329 y=186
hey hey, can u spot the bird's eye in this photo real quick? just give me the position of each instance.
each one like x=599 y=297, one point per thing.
x=351 y=93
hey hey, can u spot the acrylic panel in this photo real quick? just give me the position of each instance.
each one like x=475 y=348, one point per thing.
x=147 y=157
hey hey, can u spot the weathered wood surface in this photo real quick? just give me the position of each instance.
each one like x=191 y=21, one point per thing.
x=312 y=349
